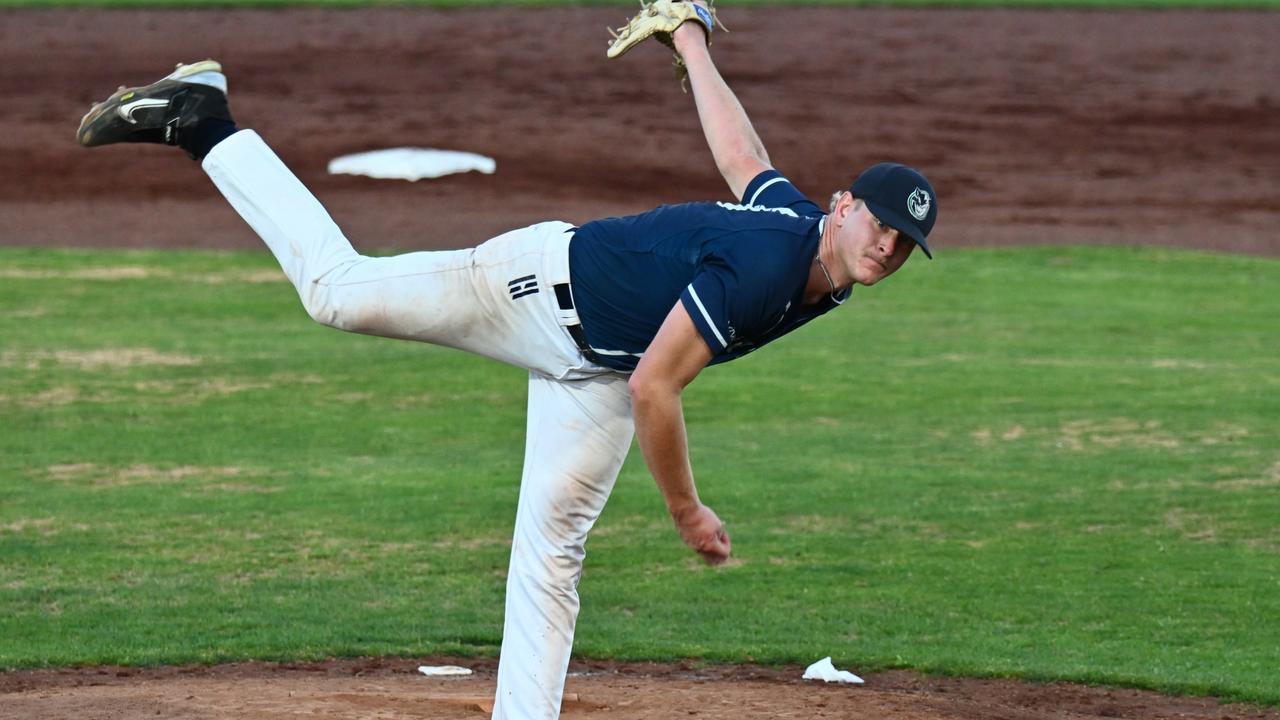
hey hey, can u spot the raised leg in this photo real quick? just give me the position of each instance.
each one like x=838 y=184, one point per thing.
x=459 y=298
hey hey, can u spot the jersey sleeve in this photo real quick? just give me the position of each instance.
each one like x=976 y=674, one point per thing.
x=771 y=189
x=709 y=314
x=726 y=304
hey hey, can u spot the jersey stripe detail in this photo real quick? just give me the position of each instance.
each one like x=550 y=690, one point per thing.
x=707 y=316
x=598 y=351
x=760 y=189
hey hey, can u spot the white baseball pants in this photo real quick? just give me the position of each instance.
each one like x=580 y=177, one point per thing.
x=579 y=414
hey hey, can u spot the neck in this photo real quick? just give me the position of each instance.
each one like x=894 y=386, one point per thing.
x=834 y=280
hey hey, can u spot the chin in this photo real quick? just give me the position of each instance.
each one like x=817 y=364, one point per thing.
x=869 y=278
x=868 y=272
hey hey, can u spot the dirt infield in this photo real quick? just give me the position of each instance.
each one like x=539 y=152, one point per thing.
x=393 y=690
x=1036 y=127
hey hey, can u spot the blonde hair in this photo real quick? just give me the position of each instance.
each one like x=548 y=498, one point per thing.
x=835 y=198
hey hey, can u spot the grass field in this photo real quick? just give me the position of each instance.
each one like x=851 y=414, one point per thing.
x=1046 y=463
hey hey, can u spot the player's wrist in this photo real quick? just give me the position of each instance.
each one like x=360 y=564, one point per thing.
x=682 y=509
x=689 y=36
x=686 y=515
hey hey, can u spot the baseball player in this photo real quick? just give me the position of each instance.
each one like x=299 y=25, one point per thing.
x=612 y=319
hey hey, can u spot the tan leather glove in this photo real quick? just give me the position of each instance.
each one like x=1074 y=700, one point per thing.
x=660 y=18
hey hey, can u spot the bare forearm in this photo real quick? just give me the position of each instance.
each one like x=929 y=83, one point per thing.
x=660 y=430
x=737 y=149
x=672 y=360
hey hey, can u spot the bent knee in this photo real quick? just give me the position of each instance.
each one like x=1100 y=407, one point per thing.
x=338 y=306
x=322 y=307
x=334 y=310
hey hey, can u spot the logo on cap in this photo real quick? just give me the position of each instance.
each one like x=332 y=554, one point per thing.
x=918 y=204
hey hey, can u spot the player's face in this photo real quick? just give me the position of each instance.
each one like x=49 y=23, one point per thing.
x=873 y=250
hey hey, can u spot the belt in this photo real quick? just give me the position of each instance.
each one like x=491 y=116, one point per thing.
x=564 y=297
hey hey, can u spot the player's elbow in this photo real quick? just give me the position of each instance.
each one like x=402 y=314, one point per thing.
x=642 y=389
x=638 y=386
x=648 y=390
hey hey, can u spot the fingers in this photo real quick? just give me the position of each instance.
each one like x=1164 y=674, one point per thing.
x=703 y=532
x=718 y=549
x=716 y=556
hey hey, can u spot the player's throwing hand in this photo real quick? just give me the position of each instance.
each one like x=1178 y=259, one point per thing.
x=702 y=531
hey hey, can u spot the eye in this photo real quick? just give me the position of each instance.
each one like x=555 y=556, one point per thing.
x=879 y=223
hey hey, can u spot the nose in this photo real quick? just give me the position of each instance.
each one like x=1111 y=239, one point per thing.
x=888 y=242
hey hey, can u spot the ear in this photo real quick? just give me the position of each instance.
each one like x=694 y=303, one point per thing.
x=843 y=207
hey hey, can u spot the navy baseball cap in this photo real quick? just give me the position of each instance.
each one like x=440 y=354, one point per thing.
x=901 y=197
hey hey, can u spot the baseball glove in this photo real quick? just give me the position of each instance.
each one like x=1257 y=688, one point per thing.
x=660 y=18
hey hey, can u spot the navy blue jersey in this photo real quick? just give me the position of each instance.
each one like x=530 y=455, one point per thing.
x=738 y=268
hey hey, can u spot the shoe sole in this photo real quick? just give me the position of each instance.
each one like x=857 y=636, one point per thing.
x=85 y=135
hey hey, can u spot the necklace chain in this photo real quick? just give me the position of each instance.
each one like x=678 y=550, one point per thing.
x=827 y=275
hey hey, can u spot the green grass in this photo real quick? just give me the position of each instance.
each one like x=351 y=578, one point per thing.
x=1044 y=463
x=1032 y=4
